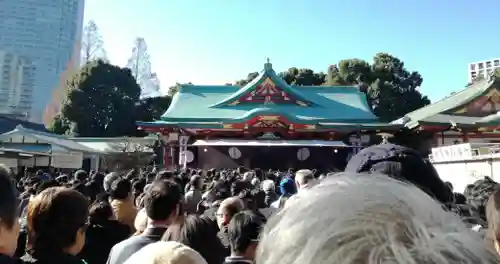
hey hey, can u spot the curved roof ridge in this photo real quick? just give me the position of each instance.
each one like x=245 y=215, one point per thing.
x=459 y=98
x=268 y=72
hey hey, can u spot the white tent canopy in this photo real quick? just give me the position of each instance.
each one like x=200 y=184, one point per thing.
x=270 y=143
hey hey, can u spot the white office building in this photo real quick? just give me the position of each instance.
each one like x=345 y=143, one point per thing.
x=44 y=34
x=483 y=68
x=17 y=79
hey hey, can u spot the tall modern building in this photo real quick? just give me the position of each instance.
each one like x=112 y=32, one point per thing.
x=483 y=68
x=45 y=33
x=17 y=79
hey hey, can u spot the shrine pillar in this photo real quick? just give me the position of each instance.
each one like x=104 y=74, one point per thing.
x=465 y=137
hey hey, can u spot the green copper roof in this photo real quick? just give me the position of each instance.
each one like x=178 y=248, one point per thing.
x=342 y=104
x=446 y=111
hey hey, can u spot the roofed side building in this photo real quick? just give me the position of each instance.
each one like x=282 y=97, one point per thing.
x=472 y=114
x=8 y=123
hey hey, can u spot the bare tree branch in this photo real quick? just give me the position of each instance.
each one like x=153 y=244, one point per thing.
x=140 y=65
x=92 y=43
x=129 y=145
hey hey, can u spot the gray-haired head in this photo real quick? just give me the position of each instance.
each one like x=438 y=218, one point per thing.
x=268 y=185
x=304 y=179
x=109 y=179
x=170 y=252
x=359 y=219
x=248 y=176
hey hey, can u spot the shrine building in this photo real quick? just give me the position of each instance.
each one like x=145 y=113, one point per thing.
x=471 y=115
x=266 y=124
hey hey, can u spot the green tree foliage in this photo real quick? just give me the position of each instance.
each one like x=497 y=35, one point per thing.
x=303 y=77
x=172 y=90
x=391 y=90
x=151 y=108
x=59 y=125
x=104 y=101
x=295 y=76
x=249 y=78
x=101 y=101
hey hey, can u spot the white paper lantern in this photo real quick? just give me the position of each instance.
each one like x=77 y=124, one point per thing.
x=189 y=156
x=234 y=153
x=303 y=154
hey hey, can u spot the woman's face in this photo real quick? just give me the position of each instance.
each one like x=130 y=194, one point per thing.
x=8 y=238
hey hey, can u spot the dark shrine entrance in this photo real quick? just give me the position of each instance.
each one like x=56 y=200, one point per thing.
x=276 y=157
x=271 y=158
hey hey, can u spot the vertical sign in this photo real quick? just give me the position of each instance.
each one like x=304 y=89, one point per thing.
x=183 y=141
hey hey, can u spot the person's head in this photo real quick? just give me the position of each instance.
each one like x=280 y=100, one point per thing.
x=141 y=221
x=304 y=179
x=255 y=182
x=248 y=176
x=268 y=186
x=163 y=201
x=196 y=182
x=43 y=185
x=287 y=187
x=244 y=231
x=401 y=163
x=98 y=178
x=355 y=218
x=57 y=221
x=493 y=218
x=121 y=189
x=9 y=224
x=109 y=179
x=166 y=253
x=227 y=209
x=200 y=234
x=138 y=186
x=478 y=195
x=449 y=185
x=81 y=176
x=165 y=175
x=79 y=187
x=238 y=186
x=100 y=212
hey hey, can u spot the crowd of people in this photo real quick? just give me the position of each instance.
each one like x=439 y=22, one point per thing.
x=388 y=206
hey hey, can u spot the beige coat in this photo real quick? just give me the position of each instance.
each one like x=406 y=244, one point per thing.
x=125 y=212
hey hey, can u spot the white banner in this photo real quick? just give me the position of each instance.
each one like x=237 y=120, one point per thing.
x=72 y=160
x=8 y=162
x=183 y=142
x=452 y=152
x=41 y=161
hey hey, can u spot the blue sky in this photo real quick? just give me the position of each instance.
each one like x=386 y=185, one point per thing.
x=219 y=41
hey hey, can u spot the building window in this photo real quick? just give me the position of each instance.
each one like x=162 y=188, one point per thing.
x=473 y=67
x=496 y=62
x=480 y=65
x=488 y=64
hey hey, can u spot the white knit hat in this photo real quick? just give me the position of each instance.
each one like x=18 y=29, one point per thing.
x=170 y=252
